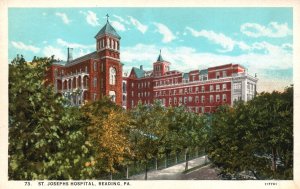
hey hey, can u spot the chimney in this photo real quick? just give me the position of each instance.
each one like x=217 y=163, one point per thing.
x=141 y=67
x=70 y=54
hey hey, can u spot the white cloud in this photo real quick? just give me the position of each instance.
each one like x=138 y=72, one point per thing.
x=273 y=30
x=64 y=17
x=22 y=46
x=142 y=28
x=91 y=18
x=57 y=52
x=121 y=19
x=226 y=42
x=73 y=45
x=118 y=25
x=168 y=36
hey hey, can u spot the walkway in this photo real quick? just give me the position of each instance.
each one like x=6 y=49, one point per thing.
x=170 y=173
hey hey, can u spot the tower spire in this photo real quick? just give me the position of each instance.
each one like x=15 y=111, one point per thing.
x=107 y=17
x=160 y=59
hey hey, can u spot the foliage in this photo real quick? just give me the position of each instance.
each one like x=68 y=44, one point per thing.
x=108 y=126
x=256 y=136
x=148 y=132
x=45 y=137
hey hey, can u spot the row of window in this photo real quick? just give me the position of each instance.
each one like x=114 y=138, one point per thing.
x=212 y=98
x=190 y=90
x=176 y=80
x=111 y=43
x=143 y=84
x=70 y=73
x=224 y=74
x=70 y=84
x=142 y=94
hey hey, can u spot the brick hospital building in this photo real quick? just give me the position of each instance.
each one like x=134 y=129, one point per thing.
x=99 y=74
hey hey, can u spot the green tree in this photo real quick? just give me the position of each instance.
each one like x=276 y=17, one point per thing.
x=256 y=136
x=148 y=133
x=45 y=137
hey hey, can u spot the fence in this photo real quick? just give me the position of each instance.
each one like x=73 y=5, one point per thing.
x=156 y=164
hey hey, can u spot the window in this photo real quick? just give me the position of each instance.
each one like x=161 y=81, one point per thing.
x=217 y=75
x=185 y=90
x=174 y=92
x=218 y=98
x=95 y=66
x=211 y=88
x=180 y=91
x=139 y=95
x=163 y=101
x=224 y=97
x=217 y=87
x=211 y=98
x=124 y=87
x=101 y=83
x=203 y=89
x=132 y=93
x=132 y=85
x=202 y=109
x=112 y=76
x=224 y=86
x=108 y=42
x=112 y=95
x=175 y=100
x=95 y=82
x=112 y=44
x=224 y=74
x=185 y=100
x=190 y=99
x=202 y=98
x=196 y=109
x=180 y=99
x=237 y=86
x=197 y=99
x=194 y=78
x=170 y=100
x=190 y=90
x=86 y=70
x=132 y=103
x=197 y=89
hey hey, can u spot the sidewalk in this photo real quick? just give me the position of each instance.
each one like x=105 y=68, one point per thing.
x=170 y=173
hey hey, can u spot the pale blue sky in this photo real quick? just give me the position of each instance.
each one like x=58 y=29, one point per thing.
x=190 y=38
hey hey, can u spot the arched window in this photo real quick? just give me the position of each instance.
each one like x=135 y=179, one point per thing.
x=108 y=42
x=112 y=76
